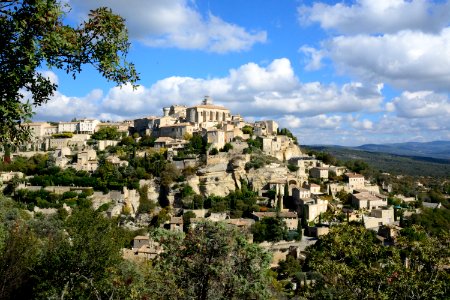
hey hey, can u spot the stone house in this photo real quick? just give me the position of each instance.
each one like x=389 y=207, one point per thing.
x=339 y=171
x=263 y=128
x=176 y=131
x=67 y=127
x=146 y=248
x=314 y=188
x=300 y=193
x=170 y=143
x=355 y=180
x=379 y=217
x=7 y=176
x=368 y=200
x=87 y=126
x=215 y=137
x=87 y=160
x=312 y=208
x=176 y=224
x=103 y=144
x=319 y=172
x=290 y=218
x=116 y=161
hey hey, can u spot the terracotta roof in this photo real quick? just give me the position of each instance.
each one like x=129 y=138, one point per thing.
x=354 y=175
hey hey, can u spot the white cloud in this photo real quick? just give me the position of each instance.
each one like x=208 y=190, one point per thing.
x=176 y=23
x=62 y=107
x=422 y=104
x=316 y=113
x=313 y=58
x=50 y=75
x=409 y=60
x=380 y=16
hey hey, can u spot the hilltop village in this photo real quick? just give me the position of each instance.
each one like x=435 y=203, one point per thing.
x=180 y=168
x=200 y=165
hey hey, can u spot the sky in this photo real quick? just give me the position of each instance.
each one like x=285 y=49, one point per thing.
x=333 y=72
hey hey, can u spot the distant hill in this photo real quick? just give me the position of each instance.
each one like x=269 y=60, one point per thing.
x=414 y=165
x=436 y=149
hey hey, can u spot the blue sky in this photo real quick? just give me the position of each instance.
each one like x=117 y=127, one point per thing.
x=348 y=73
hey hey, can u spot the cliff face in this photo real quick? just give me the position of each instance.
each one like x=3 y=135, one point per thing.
x=223 y=173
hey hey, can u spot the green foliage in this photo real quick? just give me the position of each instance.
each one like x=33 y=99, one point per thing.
x=214 y=261
x=37 y=164
x=127 y=141
x=269 y=229
x=147 y=141
x=292 y=168
x=169 y=174
x=80 y=263
x=33 y=35
x=346 y=198
x=45 y=199
x=213 y=151
x=287 y=132
x=227 y=147
x=357 y=165
x=187 y=220
x=106 y=133
x=247 y=129
x=353 y=264
x=253 y=145
x=241 y=202
x=259 y=160
x=145 y=205
x=63 y=135
x=435 y=221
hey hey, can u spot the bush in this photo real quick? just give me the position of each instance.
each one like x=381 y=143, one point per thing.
x=63 y=135
x=227 y=147
x=293 y=168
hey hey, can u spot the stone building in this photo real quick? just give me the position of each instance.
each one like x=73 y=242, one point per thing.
x=290 y=218
x=207 y=114
x=355 y=180
x=67 y=127
x=176 y=131
x=368 y=200
x=319 y=172
x=300 y=193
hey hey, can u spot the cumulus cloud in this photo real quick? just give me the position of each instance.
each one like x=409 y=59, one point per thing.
x=408 y=59
x=350 y=113
x=252 y=90
x=381 y=16
x=422 y=104
x=176 y=23
x=62 y=107
x=313 y=58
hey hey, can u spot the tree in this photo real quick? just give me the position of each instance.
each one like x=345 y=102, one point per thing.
x=34 y=36
x=78 y=264
x=106 y=133
x=354 y=264
x=213 y=261
x=269 y=229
